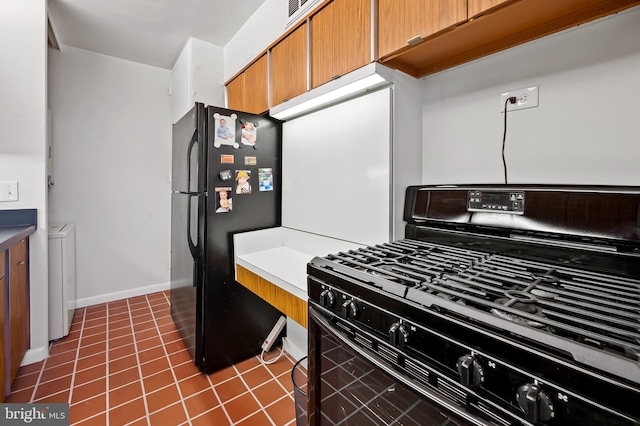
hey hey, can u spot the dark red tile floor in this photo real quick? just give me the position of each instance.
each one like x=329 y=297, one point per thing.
x=123 y=363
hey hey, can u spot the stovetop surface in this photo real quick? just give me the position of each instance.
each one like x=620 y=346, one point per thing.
x=599 y=311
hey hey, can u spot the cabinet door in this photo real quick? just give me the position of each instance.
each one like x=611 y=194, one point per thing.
x=352 y=29
x=436 y=15
x=18 y=306
x=478 y=6
x=322 y=46
x=256 y=86
x=340 y=39
x=289 y=66
x=3 y=289
x=403 y=21
x=397 y=23
x=235 y=93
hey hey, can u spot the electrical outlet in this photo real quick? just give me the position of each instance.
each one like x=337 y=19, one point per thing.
x=525 y=98
x=9 y=191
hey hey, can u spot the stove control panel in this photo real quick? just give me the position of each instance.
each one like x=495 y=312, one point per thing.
x=511 y=202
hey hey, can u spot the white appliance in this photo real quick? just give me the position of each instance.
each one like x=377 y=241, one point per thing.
x=62 y=279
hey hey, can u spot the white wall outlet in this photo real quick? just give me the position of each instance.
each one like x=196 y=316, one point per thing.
x=9 y=191
x=525 y=98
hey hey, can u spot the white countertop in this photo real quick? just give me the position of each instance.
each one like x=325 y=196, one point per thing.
x=280 y=255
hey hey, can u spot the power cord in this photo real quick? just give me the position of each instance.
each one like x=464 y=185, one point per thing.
x=510 y=100
x=272 y=360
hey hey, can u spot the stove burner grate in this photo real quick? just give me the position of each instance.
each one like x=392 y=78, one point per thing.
x=593 y=308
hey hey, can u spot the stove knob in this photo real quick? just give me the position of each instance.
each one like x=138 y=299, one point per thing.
x=470 y=370
x=350 y=309
x=328 y=298
x=535 y=403
x=398 y=335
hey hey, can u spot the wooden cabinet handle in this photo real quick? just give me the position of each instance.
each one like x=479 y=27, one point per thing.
x=22 y=262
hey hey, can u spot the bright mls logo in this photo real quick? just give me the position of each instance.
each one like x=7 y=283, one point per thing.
x=36 y=414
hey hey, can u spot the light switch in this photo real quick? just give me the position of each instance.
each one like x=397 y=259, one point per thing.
x=9 y=191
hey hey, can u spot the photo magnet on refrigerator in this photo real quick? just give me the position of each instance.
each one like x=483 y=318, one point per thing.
x=243 y=184
x=224 y=203
x=225 y=127
x=249 y=133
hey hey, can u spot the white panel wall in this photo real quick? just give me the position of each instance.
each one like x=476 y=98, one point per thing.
x=111 y=162
x=336 y=170
x=585 y=130
x=23 y=123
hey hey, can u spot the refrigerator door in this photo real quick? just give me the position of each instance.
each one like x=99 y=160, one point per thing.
x=236 y=320
x=186 y=230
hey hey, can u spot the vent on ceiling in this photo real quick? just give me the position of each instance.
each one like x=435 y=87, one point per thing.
x=298 y=8
x=295 y=5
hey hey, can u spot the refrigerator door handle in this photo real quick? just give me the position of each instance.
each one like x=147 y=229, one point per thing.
x=192 y=143
x=193 y=248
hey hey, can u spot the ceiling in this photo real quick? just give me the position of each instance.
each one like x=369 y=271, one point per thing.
x=151 y=32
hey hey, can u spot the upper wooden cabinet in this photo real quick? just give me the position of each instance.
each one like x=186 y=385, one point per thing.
x=289 y=66
x=340 y=39
x=493 y=25
x=235 y=93
x=249 y=91
x=476 y=7
x=406 y=22
x=256 y=86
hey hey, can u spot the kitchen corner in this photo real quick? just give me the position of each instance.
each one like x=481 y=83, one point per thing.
x=274 y=262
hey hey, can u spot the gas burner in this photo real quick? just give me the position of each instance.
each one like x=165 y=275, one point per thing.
x=520 y=301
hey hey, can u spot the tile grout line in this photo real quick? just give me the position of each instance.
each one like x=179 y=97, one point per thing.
x=44 y=363
x=215 y=392
x=224 y=410
x=276 y=377
x=254 y=397
x=106 y=412
x=135 y=347
x=106 y=366
x=166 y=354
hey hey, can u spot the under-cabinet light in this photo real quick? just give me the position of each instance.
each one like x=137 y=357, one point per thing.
x=364 y=79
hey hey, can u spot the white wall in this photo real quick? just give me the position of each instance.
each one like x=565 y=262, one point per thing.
x=261 y=29
x=23 y=119
x=585 y=130
x=111 y=166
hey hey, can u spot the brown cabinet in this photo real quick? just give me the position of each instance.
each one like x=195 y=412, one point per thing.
x=18 y=306
x=340 y=39
x=235 y=93
x=407 y=22
x=289 y=66
x=256 y=86
x=476 y=7
x=3 y=290
x=249 y=91
x=496 y=25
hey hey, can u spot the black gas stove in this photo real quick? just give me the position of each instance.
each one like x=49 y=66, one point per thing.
x=503 y=305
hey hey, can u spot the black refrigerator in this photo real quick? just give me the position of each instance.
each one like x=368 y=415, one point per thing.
x=226 y=178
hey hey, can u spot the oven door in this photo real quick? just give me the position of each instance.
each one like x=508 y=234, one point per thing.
x=349 y=385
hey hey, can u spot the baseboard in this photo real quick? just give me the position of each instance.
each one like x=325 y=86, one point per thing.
x=293 y=350
x=35 y=355
x=118 y=295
